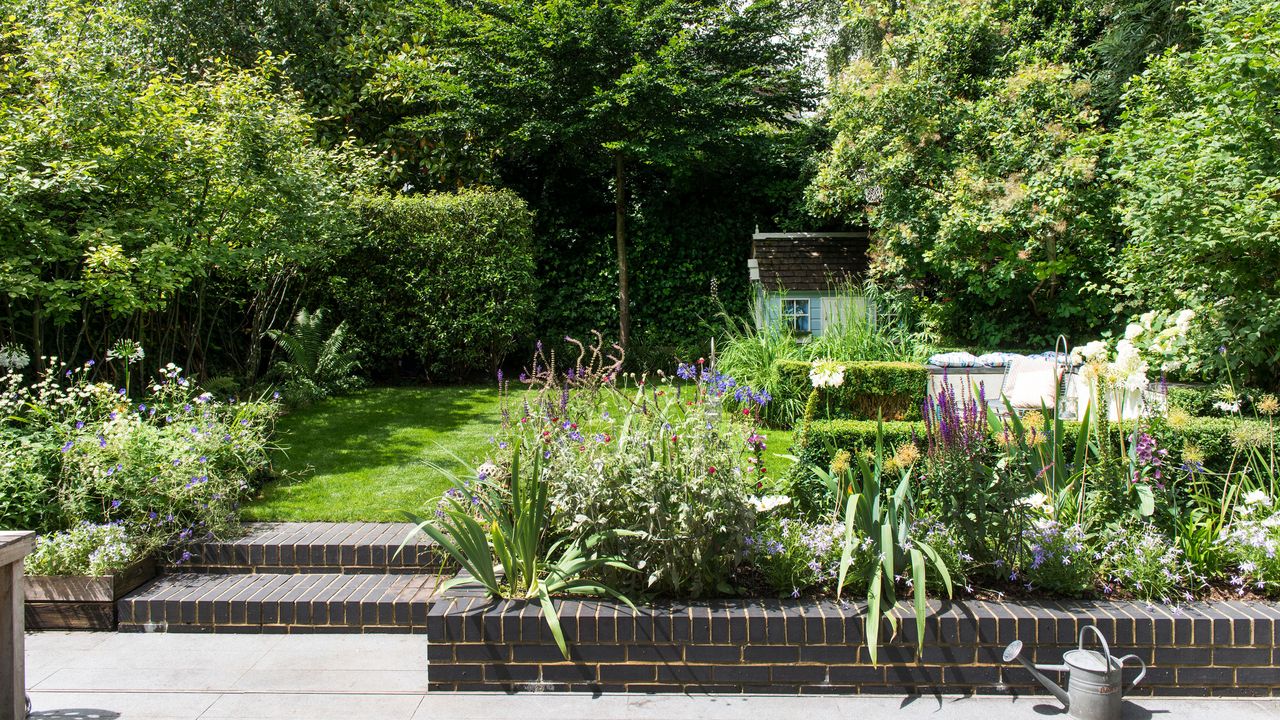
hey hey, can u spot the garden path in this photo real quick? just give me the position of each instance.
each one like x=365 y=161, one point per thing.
x=136 y=676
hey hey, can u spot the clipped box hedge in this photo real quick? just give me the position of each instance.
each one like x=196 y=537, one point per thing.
x=894 y=390
x=1212 y=436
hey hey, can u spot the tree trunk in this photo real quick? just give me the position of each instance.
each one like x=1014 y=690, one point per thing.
x=620 y=234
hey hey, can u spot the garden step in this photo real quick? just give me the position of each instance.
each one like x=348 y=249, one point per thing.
x=281 y=603
x=316 y=547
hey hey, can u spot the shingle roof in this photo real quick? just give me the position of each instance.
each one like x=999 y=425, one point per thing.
x=803 y=262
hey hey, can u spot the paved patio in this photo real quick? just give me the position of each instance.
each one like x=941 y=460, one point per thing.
x=350 y=677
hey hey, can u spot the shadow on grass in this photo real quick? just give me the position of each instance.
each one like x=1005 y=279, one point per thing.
x=375 y=428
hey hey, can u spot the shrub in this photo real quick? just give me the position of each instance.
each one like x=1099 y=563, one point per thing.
x=820 y=442
x=1139 y=560
x=1057 y=558
x=795 y=555
x=171 y=465
x=441 y=284
x=661 y=462
x=894 y=390
x=85 y=549
x=1252 y=541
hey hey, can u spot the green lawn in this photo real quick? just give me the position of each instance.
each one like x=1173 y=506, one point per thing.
x=364 y=456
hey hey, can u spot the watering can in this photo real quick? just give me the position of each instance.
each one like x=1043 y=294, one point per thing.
x=1093 y=678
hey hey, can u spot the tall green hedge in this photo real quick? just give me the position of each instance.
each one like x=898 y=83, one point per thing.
x=439 y=285
x=892 y=390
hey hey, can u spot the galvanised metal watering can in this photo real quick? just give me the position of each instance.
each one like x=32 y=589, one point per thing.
x=1093 y=678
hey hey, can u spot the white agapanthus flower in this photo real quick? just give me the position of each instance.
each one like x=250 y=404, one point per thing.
x=827 y=373
x=1257 y=497
x=1037 y=501
x=1092 y=352
x=1129 y=369
x=1228 y=407
x=13 y=357
x=765 y=503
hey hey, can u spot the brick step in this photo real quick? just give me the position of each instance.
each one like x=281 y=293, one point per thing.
x=280 y=603
x=316 y=547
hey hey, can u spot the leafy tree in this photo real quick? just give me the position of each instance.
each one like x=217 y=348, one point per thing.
x=1199 y=168
x=568 y=89
x=966 y=138
x=128 y=192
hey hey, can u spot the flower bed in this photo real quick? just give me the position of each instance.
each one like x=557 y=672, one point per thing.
x=803 y=647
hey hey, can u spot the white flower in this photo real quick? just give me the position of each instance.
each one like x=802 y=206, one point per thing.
x=1037 y=500
x=1183 y=319
x=1228 y=407
x=827 y=373
x=1132 y=331
x=1257 y=497
x=13 y=357
x=1093 y=352
x=765 y=503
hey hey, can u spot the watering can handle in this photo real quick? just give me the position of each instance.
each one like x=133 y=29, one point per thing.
x=1141 y=674
x=1106 y=651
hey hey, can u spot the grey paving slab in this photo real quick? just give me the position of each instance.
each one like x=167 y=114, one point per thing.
x=313 y=707
x=332 y=681
x=382 y=677
x=193 y=676
x=127 y=706
x=338 y=652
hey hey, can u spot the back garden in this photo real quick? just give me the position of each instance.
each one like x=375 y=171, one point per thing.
x=270 y=286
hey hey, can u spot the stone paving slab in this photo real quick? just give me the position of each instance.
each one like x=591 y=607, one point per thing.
x=317 y=547
x=217 y=677
x=280 y=603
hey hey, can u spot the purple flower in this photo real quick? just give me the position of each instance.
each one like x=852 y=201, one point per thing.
x=102 y=442
x=115 y=504
x=685 y=371
x=70 y=444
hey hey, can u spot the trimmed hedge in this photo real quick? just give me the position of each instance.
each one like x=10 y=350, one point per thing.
x=894 y=390
x=440 y=284
x=1212 y=436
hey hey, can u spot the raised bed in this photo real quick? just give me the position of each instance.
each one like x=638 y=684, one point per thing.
x=76 y=602
x=802 y=647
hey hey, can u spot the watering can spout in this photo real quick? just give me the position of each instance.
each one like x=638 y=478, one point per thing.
x=1014 y=652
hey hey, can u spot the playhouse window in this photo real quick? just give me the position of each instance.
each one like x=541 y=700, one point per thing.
x=796 y=314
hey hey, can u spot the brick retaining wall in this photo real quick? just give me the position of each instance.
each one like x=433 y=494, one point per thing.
x=790 y=647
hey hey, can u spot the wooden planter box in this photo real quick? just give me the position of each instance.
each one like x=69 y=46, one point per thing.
x=80 y=602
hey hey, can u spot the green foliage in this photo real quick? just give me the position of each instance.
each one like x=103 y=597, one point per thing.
x=967 y=140
x=795 y=555
x=597 y=110
x=1057 y=559
x=170 y=465
x=501 y=536
x=1139 y=560
x=128 y=193
x=751 y=355
x=1199 y=179
x=439 y=284
x=85 y=549
x=662 y=461
x=883 y=513
x=319 y=364
x=1252 y=543
x=893 y=390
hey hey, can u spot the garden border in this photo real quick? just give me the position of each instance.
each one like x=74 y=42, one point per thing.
x=816 y=646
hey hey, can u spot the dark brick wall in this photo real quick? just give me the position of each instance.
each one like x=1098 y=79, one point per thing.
x=476 y=643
